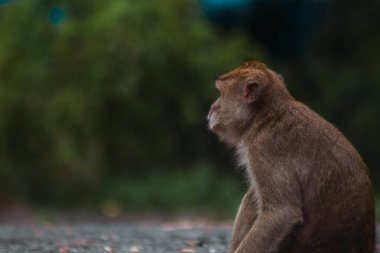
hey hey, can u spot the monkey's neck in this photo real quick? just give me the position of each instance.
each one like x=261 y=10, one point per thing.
x=267 y=114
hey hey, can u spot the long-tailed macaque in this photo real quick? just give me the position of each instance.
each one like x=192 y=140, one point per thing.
x=309 y=188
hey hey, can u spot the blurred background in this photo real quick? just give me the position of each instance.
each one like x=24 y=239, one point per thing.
x=103 y=104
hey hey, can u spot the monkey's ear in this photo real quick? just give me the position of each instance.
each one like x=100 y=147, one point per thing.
x=250 y=92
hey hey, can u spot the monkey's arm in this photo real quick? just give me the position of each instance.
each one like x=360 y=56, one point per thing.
x=270 y=228
x=245 y=219
x=280 y=204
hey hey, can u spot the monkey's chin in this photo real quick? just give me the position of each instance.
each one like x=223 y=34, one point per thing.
x=224 y=135
x=218 y=131
x=213 y=126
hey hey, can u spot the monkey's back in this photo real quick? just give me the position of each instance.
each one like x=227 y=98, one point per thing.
x=334 y=186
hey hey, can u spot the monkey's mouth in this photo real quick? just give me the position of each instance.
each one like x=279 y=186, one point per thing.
x=212 y=122
x=212 y=126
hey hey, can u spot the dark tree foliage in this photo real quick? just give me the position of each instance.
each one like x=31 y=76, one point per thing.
x=97 y=90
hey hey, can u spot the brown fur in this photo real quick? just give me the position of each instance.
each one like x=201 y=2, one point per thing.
x=310 y=191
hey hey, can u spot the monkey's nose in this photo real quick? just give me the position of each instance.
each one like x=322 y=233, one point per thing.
x=214 y=106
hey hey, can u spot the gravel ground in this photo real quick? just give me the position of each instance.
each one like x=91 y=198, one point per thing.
x=94 y=237
x=123 y=236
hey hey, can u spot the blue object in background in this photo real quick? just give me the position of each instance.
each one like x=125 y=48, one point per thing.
x=4 y=1
x=56 y=15
x=285 y=27
x=220 y=5
x=228 y=13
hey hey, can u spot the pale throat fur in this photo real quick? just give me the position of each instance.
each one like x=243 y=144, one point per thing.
x=244 y=161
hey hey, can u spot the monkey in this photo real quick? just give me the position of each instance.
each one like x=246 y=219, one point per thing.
x=309 y=189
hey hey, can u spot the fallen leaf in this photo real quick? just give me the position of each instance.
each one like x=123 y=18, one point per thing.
x=68 y=231
x=79 y=242
x=192 y=243
x=63 y=248
x=37 y=232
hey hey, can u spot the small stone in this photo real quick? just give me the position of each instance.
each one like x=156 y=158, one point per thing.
x=134 y=249
x=108 y=248
x=188 y=250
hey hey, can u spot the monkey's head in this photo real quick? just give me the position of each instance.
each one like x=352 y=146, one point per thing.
x=243 y=93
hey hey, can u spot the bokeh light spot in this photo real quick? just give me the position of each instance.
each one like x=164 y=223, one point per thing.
x=56 y=15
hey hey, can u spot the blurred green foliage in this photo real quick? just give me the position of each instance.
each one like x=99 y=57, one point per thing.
x=107 y=101
x=117 y=90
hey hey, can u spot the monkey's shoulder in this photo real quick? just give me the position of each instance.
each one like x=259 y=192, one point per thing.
x=300 y=130
x=302 y=122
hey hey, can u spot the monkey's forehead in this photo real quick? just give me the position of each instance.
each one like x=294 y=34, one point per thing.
x=233 y=75
x=238 y=74
x=253 y=64
x=247 y=69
